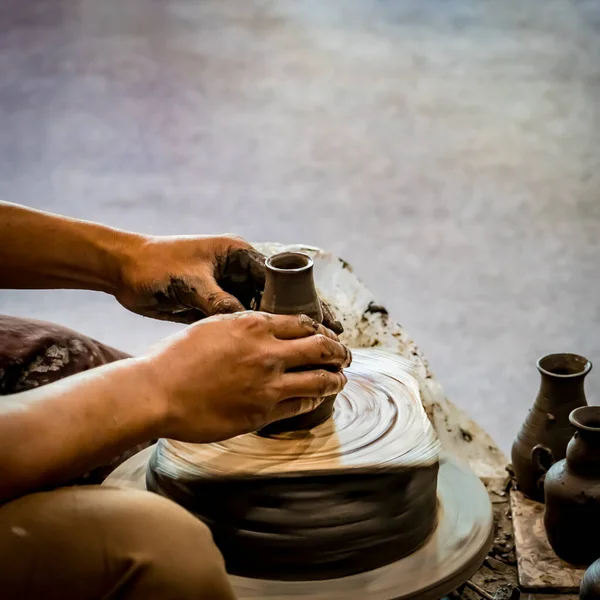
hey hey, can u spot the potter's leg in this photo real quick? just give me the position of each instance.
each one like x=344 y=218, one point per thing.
x=34 y=353
x=86 y=543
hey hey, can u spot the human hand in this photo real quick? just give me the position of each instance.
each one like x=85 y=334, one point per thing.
x=186 y=278
x=232 y=374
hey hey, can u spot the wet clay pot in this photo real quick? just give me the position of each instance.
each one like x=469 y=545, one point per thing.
x=590 y=585
x=290 y=290
x=572 y=490
x=544 y=435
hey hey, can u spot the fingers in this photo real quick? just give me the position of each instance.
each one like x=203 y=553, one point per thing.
x=314 y=351
x=329 y=319
x=291 y=327
x=206 y=295
x=186 y=315
x=315 y=383
x=244 y=262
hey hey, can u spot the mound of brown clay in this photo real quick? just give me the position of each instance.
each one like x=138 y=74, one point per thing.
x=352 y=494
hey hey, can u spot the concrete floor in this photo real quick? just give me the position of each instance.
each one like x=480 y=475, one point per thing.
x=448 y=149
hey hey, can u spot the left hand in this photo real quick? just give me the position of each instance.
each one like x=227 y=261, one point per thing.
x=187 y=278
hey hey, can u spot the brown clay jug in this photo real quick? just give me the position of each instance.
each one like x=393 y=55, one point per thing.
x=290 y=290
x=572 y=491
x=544 y=435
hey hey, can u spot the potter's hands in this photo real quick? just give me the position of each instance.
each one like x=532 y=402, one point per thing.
x=186 y=278
x=232 y=374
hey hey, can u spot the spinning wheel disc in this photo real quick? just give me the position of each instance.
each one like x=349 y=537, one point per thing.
x=379 y=420
x=449 y=557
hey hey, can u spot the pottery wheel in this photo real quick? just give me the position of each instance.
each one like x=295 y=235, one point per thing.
x=353 y=493
x=378 y=439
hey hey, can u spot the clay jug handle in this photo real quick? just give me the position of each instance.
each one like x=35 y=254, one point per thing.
x=543 y=458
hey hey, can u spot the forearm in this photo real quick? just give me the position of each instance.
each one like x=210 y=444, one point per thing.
x=42 y=250
x=54 y=433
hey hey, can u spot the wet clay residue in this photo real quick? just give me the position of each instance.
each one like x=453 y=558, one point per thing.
x=376 y=308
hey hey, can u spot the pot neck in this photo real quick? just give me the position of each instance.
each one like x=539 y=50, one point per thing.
x=563 y=372
x=551 y=381
x=289 y=286
x=583 y=452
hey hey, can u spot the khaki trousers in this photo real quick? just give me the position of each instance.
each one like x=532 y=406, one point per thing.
x=89 y=542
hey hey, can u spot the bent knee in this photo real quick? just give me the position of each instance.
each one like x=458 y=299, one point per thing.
x=173 y=551
x=138 y=544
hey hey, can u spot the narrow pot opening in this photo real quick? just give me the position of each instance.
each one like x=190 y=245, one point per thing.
x=289 y=261
x=564 y=365
x=586 y=418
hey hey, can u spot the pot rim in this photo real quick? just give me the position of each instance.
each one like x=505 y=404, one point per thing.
x=586 y=365
x=300 y=256
x=590 y=411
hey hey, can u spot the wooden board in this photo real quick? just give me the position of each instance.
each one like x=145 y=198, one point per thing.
x=540 y=570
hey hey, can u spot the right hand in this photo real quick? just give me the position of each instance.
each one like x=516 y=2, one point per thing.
x=232 y=374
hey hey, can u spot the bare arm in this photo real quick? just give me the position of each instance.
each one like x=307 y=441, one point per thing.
x=175 y=278
x=41 y=250
x=57 y=432
x=218 y=378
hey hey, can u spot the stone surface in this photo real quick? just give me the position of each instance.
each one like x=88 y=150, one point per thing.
x=448 y=150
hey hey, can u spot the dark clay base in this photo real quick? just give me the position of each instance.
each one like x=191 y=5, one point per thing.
x=301 y=422
x=312 y=526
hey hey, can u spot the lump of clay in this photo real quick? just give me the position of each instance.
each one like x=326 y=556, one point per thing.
x=352 y=494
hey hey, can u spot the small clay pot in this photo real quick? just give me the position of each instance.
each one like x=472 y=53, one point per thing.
x=290 y=286
x=544 y=435
x=572 y=490
x=590 y=585
x=290 y=290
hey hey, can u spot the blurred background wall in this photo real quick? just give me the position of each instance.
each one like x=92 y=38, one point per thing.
x=449 y=150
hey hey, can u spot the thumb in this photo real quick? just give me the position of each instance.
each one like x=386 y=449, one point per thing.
x=207 y=295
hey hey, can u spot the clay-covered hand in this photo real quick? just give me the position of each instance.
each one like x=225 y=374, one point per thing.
x=232 y=374
x=186 y=278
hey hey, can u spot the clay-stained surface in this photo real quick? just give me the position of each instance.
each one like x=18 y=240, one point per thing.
x=368 y=325
x=539 y=568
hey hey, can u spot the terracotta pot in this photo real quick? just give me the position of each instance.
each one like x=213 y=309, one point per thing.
x=290 y=290
x=590 y=585
x=572 y=490
x=544 y=435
